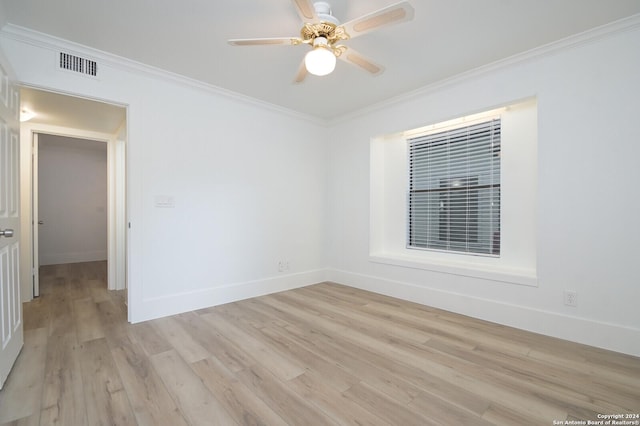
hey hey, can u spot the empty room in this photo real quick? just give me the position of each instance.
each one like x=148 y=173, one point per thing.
x=350 y=212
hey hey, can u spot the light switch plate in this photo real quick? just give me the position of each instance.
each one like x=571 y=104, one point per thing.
x=165 y=201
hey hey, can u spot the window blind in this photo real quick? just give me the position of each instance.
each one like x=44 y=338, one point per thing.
x=454 y=189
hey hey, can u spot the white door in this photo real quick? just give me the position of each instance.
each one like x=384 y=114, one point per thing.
x=11 y=337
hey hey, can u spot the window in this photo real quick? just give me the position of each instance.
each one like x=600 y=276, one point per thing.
x=485 y=205
x=454 y=189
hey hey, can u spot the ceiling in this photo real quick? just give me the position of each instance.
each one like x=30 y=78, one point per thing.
x=189 y=37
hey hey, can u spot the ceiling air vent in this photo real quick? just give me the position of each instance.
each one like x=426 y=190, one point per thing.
x=78 y=64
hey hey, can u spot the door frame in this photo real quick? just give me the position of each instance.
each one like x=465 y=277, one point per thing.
x=116 y=228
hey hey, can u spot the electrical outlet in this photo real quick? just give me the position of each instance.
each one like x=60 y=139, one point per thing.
x=283 y=266
x=570 y=298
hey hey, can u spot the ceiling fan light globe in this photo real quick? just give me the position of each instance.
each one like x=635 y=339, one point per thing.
x=320 y=61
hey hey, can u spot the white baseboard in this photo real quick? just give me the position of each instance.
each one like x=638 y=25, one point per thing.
x=173 y=304
x=74 y=257
x=593 y=333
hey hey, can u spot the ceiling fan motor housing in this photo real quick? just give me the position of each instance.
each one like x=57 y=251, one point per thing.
x=323 y=10
x=328 y=27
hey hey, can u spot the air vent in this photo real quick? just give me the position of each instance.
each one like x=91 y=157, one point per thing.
x=78 y=64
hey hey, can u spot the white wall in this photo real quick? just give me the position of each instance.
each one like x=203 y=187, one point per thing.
x=587 y=211
x=72 y=200
x=248 y=183
x=3 y=16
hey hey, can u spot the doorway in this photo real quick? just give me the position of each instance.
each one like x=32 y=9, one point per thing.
x=67 y=123
x=72 y=200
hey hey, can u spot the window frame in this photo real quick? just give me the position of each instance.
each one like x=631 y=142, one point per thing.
x=448 y=138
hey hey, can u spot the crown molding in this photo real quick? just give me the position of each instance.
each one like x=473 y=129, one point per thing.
x=49 y=42
x=590 y=36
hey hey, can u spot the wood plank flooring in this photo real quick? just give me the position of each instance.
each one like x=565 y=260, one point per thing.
x=321 y=355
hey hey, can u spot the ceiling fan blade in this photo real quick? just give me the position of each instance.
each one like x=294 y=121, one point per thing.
x=264 y=41
x=301 y=74
x=361 y=61
x=306 y=10
x=394 y=14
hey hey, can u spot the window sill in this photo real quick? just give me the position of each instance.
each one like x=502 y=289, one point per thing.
x=525 y=277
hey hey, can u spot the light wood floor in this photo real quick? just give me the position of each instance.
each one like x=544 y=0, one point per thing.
x=321 y=355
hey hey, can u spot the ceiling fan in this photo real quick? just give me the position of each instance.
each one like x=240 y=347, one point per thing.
x=324 y=33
